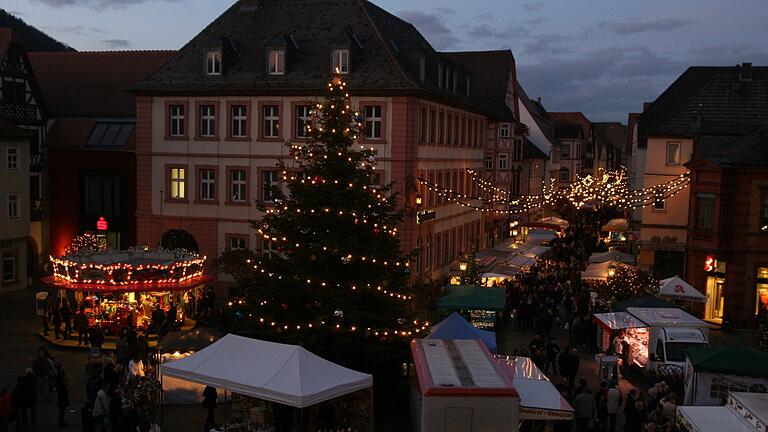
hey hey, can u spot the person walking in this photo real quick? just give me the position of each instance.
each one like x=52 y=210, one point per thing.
x=66 y=318
x=613 y=401
x=62 y=396
x=553 y=350
x=42 y=368
x=56 y=319
x=209 y=402
x=81 y=325
x=100 y=411
x=6 y=408
x=601 y=398
x=584 y=410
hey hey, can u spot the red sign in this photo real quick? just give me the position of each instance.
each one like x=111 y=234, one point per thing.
x=102 y=224
x=710 y=264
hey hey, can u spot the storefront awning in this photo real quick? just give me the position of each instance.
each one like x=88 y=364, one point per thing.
x=618 y=321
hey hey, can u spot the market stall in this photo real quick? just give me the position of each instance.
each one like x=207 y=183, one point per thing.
x=178 y=345
x=459 y=387
x=711 y=372
x=599 y=271
x=743 y=412
x=601 y=257
x=555 y=222
x=122 y=289
x=675 y=288
x=539 y=399
x=627 y=327
x=456 y=327
x=642 y=302
x=282 y=375
x=480 y=303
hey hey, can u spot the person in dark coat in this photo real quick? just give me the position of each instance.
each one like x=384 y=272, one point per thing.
x=56 y=319
x=66 y=318
x=23 y=398
x=62 y=396
x=96 y=336
x=209 y=403
x=81 y=324
x=158 y=316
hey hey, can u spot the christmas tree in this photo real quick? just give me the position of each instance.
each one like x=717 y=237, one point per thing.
x=471 y=274
x=337 y=259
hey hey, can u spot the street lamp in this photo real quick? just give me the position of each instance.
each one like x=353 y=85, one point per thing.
x=418 y=200
x=463 y=266
x=611 y=270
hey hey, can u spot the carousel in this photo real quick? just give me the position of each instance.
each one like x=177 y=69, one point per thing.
x=122 y=289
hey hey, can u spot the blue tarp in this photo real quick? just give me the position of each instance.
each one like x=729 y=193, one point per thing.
x=456 y=327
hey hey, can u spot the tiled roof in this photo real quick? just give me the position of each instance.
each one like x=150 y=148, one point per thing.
x=530 y=151
x=708 y=93
x=385 y=52
x=539 y=114
x=562 y=119
x=568 y=131
x=610 y=133
x=490 y=78
x=733 y=144
x=93 y=84
x=10 y=130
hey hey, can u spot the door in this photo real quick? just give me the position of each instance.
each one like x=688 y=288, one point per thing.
x=458 y=420
x=715 y=298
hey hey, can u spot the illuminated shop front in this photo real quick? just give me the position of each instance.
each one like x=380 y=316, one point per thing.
x=715 y=273
x=762 y=289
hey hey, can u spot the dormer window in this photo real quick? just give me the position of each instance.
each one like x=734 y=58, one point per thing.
x=277 y=62
x=341 y=61
x=213 y=63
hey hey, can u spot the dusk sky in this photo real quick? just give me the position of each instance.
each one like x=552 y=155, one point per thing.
x=601 y=57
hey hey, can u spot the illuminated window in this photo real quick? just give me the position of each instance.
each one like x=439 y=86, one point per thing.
x=178 y=183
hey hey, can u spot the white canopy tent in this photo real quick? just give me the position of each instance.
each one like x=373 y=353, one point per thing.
x=539 y=236
x=598 y=271
x=678 y=289
x=619 y=225
x=601 y=257
x=521 y=261
x=553 y=220
x=286 y=374
x=539 y=399
x=710 y=419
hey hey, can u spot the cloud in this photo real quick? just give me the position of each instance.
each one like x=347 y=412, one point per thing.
x=485 y=32
x=643 y=26
x=74 y=29
x=117 y=43
x=545 y=45
x=97 y=4
x=533 y=6
x=432 y=27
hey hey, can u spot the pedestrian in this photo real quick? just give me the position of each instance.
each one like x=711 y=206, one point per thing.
x=62 y=396
x=142 y=348
x=23 y=397
x=6 y=407
x=157 y=319
x=613 y=402
x=584 y=410
x=56 y=319
x=135 y=367
x=171 y=317
x=100 y=411
x=209 y=403
x=122 y=351
x=66 y=318
x=600 y=405
x=42 y=368
x=81 y=324
x=553 y=350
x=96 y=336
x=634 y=420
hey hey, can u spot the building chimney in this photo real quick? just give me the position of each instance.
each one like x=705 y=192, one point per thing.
x=745 y=72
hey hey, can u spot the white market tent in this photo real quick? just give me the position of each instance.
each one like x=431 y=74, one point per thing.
x=539 y=236
x=600 y=257
x=597 y=271
x=618 y=321
x=286 y=374
x=618 y=225
x=539 y=399
x=521 y=261
x=710 y=419
x=678 y=289
x=552 y=220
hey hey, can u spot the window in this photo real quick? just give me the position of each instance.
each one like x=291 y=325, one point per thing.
x=178 y=183
x=341 y=61
x=720 y=388
x=705 y=211
x=303 y=119
x=267 y=249
x=14 y=92
x=676 y=350
x=375 y=180
x=659 y=204
x=12 y=158
x=504 y=130
x=207 y=121
x=103 y=193
x=271 y=121
x=659 y=350
x=373 y=122
x=422 y=125
x=213 y=63
x=239 y=120
x=268 y=181
x=565 y=176
x=277 y=62
x=441 y=128
x=565 y=151
x=238 y=186
x=237 y=242
x=673 y=153
x=503 y=165
x=9 y=267
x=449 y=129
x=489 y=162
x=176 y=113
x=13 y=206
x=207 y=184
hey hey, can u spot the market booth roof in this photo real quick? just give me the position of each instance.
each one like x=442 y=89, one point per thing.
x=677 y=288
x=619 y=224
x=188 y=340
x=598 y=271
x=456 y=327
x=556 y=221
x=642 y=302
x=286 y=374
x=729 y=359
x=618 y=321
x=473 y=297
x=710 y=419
x=601 y=257
x=539 y=399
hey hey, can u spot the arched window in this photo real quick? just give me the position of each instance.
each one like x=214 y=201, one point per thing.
x=179 y=239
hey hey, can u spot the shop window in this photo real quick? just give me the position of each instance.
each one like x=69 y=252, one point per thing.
x=762 y=291
x=9 y=267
